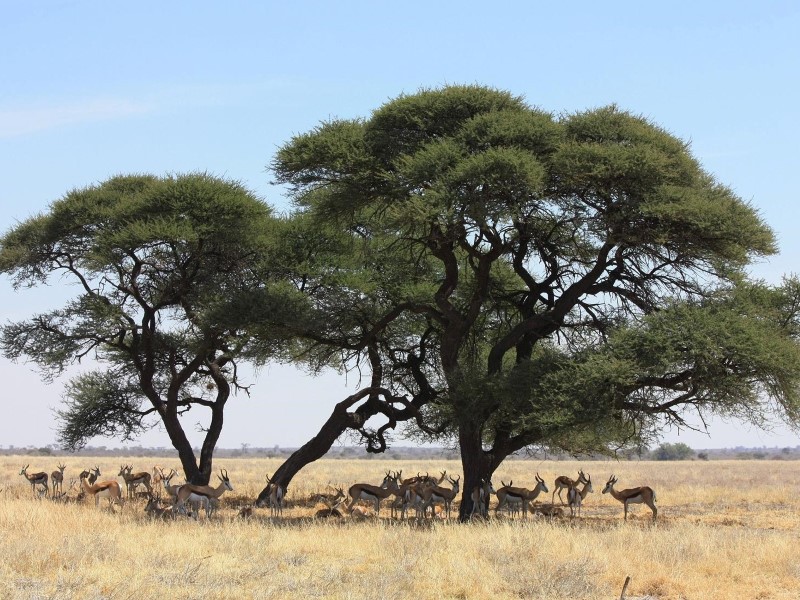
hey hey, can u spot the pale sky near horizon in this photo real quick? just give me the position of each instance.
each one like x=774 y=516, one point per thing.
x=92 y=89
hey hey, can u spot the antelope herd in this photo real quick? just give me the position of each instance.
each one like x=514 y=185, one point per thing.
x=427 y=495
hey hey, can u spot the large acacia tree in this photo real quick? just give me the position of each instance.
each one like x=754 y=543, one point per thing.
x=168 y=270
x=573 y=280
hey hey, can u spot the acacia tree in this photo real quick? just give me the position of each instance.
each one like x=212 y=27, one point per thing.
x=167 y=270
x=562 y=255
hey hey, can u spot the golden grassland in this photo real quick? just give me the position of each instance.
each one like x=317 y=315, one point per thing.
x=726 y=530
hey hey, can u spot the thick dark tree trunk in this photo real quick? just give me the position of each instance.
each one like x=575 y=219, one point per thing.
x=188 y=460
x=212 y=435
x=476 y=466
x=185 y=452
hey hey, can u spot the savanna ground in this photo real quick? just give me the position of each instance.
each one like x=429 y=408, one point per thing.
x=726 y=530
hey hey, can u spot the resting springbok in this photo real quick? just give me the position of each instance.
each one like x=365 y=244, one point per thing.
x=373 y=493
x=154 y=509
x=639 y=495
x=57 y=479
x=35 y=479
x=565 y=483
x=575 y=496
x=104 y=489
x=515 y=495
x=332 y=502
x=204 y=494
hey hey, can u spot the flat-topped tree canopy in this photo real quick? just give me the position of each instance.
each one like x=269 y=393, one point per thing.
x=542 y=238
x=168 y=272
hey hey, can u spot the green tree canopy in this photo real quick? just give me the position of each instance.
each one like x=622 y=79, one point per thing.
x=170 y=272
x=573 y=280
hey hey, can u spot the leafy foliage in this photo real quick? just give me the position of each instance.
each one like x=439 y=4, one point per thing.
x=568 y=281
x=169 y=271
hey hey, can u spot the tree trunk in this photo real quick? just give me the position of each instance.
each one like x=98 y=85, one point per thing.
x=340 y=421
x=476 y=466
x=188 y=459
x=185 y=452
x=212 y=435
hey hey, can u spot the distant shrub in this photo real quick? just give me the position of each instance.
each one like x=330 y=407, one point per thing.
x=677 y=451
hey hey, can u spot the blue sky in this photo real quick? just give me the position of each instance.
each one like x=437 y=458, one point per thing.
x=93 y=89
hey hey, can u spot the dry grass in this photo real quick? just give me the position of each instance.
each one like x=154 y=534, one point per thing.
x=726 y=530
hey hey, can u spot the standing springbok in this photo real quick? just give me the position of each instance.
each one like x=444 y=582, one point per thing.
x=565 y=483
x=523 y=496
x=132 y=480
x=481 y=496
x=155 y=481
x=435 y=493
x=575 y=497
x=273 y=496
x=104 y=489
x=57 y=479
x=35 y=479
x=204 y=494
x=639 y=495
x=172 y=490
x=373 y=493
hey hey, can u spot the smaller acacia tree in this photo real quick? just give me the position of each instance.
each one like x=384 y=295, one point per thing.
x=168 y=272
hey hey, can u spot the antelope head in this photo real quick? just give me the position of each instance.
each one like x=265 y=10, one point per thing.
x=223 y=477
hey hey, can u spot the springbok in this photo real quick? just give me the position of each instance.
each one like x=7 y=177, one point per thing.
x=639 y=495
x=57 y=479
x=565 y=483
x=132 y=480
x=273 y=496
x=436 y=493
x=154 y=509
x=104 y=489
x=480 y=496
x=332 y=502
x=158 y=477
x=575 y=497
x=373 y=493
x=515 y=495
x=35 y=479
x=204 y=494
x=172 y=490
